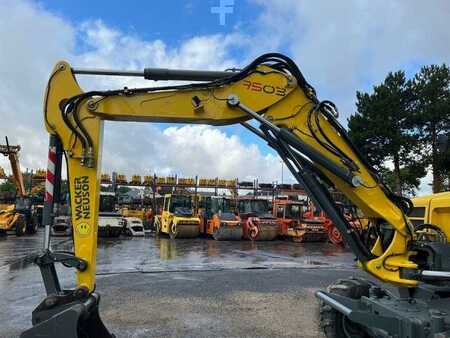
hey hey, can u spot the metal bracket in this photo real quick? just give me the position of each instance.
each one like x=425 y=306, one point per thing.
x=46 y=262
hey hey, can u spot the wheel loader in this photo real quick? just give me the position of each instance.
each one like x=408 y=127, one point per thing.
x=285 y=111
x=177 y=217
x=219 y=219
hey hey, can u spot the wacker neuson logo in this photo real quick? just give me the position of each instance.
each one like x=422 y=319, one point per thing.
x=82 y=198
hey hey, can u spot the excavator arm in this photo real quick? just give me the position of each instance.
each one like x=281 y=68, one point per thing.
x=286 y=113
x=13 y=155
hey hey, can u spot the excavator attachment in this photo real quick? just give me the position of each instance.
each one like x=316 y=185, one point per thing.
x=62 y=313
x=65 y=315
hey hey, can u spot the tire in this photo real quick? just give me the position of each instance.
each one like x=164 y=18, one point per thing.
x=32 y=227
x=333 y=323
x=20 y=226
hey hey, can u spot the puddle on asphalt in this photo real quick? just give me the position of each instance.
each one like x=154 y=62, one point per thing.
x=150 y=254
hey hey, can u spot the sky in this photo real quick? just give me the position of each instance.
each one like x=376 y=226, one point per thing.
x=340 y=46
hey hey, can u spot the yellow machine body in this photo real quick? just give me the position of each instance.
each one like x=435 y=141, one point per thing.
x=128 y=212
x=177 y=224
x=432 y=209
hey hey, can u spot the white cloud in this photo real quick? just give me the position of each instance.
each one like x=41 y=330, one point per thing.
x=28 y=54
x=187 y=151
x=340 y=46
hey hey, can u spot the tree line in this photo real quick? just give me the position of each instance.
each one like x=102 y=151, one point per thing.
x=398 y=126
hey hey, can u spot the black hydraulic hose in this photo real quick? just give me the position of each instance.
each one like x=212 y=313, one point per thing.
x=305 y=175
x=64 y=111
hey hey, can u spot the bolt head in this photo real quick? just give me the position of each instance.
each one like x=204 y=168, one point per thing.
x=233 y=100
x=92 y=105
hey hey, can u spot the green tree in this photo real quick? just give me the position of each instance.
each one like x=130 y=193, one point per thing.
x=431 y=87
x=381 y=129
x=8 y=186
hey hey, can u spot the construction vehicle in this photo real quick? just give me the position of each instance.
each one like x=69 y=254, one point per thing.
x=17 y=217
x=219 y=220
x=177 y=217
x=133 y=219
x=121 y=179
x=131 y=211
x=294 y=225
x=135 y=180
x=105 y=179
x=133 y=227
x=431 y=215
x=258 y=223
x=334 y=235
x=61 y=226
x=110 y=222
x=304 y=131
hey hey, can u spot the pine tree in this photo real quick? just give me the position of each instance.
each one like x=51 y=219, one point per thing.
x=431 y=88
x=381 y=128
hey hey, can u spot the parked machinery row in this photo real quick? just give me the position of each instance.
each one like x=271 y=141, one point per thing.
x=246 y=217
x=199 y=182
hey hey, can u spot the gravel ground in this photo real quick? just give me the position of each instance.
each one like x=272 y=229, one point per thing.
x=157 y=287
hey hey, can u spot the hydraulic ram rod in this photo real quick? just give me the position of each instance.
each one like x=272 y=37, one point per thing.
x=159 y=73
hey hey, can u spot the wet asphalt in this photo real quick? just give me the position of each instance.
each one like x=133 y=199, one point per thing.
x=158 y=287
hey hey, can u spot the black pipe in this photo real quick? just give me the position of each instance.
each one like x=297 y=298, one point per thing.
x=160 y=74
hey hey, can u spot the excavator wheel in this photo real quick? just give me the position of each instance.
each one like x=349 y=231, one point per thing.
x=32 y=228
x=20 y=226
x=333 y=323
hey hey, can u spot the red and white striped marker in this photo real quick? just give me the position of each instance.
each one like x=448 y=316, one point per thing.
x=50 y=179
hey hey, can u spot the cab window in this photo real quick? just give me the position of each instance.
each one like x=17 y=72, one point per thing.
x=280 y=211
x=166 y=203
x=417 y=212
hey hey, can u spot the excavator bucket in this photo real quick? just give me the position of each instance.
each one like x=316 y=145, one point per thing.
x=74 y=319
x=225 y=233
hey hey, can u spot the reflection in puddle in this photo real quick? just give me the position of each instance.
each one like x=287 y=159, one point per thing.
x=161 y=253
